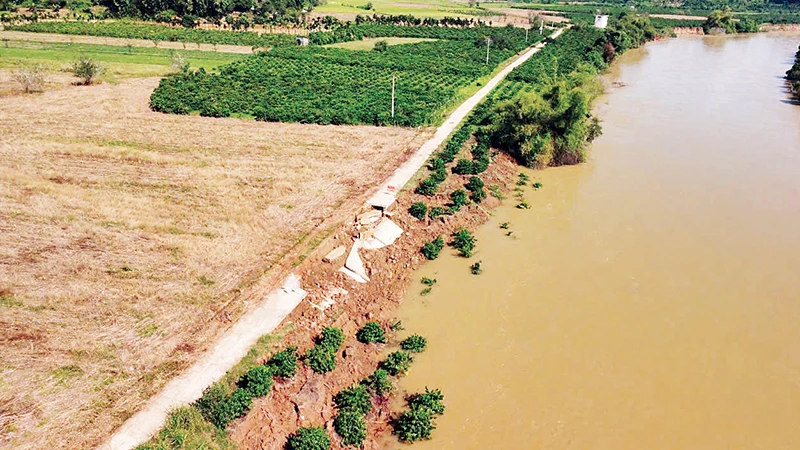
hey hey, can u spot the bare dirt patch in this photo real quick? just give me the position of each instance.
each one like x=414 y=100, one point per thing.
x=130 y=239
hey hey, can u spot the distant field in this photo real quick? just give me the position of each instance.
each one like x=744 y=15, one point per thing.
x=369 y=43
x=119 y=62
x=129 y=239
x=426 y=8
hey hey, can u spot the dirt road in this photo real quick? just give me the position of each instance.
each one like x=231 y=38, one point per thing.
x=120 y=42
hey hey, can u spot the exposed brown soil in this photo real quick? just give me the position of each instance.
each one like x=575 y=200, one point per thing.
x=129 y=240
x=306 y=400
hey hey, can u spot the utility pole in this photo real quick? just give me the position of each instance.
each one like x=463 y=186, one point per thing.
x=526 y=35
x=393 y=78
x=541 y=27
x=488 y=41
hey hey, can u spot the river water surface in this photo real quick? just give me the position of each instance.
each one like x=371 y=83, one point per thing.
x=650 y=298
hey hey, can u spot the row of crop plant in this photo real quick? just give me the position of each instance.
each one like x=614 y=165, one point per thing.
x=204 y=423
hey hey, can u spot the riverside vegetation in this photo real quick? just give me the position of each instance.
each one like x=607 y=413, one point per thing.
x=203 y=424
x=793 y=76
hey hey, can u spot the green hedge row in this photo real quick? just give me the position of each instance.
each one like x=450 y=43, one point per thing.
x=155 y=32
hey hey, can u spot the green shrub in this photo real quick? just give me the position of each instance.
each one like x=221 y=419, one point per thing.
x=463 y=167
x=436 y=211
x=351 y=427
x=476 y=269
x=284 y=363
x=332 y=337
x=321 y=359
x=397 y=363
x=474 y=184
x=414 y=343
x=418 y=210
x=378 y=383
x=464 y=242
x=87 y=70
x=371 y=332
x=312 y=438
x=427 y=187
x=458 y=198
x=537 y=185
x=257 y=381
x=231 y=408
x=208 y=403
x=523 y=205
x=432 y=249
x=414 y=425
x=430 y=401
x=355 y=398
x=478 y=196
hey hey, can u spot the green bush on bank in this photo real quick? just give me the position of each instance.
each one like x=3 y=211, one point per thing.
x=397 y=363
x=355 y=398
x=351 y=426
x=416 y=423
x=284 y=363
x=378 y=383
x=418 y=210
x=371 y=332
x=258 y=381
x=432 y=249
x=322 y=357
x=414 y=343
x=793 y=76
x=464 y=242
x=311 y=438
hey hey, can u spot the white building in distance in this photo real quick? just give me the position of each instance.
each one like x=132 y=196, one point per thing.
x=601 y=21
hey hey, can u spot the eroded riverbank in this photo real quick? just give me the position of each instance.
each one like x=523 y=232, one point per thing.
x=649 y=297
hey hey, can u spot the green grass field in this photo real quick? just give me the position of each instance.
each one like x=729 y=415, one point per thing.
x=119 y=62
x=426 y=8
x=369 y=43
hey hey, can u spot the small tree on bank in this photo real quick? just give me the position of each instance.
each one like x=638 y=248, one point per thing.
x=87 y=70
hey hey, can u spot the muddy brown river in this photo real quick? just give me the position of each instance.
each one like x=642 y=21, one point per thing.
x=650 y=298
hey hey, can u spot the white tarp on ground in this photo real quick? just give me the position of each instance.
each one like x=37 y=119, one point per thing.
x=384 y=234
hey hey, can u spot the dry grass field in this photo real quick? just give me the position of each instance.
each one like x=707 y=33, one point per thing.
x=129 y=240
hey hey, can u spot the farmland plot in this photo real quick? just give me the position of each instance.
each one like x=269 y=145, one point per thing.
x=339 y=86
x=130 y=239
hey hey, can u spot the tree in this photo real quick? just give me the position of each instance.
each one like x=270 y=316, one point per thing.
x=87 y=70
x=178 y=63
x=30 y=78
x=551 y=126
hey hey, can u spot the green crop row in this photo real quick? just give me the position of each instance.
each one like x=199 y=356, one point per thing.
x=338 y=86
x=155 y=32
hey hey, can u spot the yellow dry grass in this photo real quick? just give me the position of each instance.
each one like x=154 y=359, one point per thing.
x=130 y=239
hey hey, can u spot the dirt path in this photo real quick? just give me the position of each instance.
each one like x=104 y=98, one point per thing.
x=279 y=304
x=388 y=190
x=120 y=42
